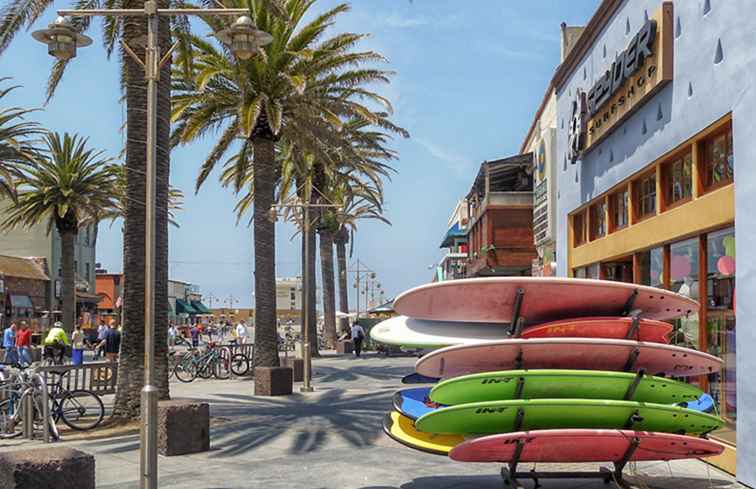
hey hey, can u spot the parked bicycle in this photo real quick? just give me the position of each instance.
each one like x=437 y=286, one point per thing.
x=80 y=409
x=19 y=387
x=214 y=361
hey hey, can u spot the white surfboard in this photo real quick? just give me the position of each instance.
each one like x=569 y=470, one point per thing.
x=421 y=333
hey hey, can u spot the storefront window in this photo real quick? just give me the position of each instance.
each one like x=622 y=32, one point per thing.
x=593 y=271
x=684 y=279
x=651 y=267
x=580 y=272
x=645 y=196
x=678 y=179
x=598 y=220
x=618 y=204
x=720 y=324
x=578 y=226
x=718 y=162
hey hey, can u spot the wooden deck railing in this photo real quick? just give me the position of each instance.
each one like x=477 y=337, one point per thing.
x=98 y=377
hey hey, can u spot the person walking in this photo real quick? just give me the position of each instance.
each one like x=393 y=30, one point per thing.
x=358 y=335
x=77 y=352
x=56 y=343
x=111 y=344
x=195 y=333
x=23 y=344
x=101 y=330
x=172 y=332
x=241 y=332
x=9 y=343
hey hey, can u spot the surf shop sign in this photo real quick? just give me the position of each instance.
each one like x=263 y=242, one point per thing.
x=637 y=73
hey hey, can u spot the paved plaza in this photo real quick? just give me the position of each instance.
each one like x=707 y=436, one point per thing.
x=331 y=438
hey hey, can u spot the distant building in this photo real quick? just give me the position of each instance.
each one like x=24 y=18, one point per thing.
x=37 y=242
x=500 y=210
x=289 y=299
x=454 y=263
x=185 y=303
x=110 y=290
x=24 y=291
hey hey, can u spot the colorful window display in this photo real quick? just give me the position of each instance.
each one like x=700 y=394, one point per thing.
x=651 y=267
x=720 y=306
x=683 y=264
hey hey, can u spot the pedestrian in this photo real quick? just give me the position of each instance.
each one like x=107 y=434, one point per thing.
x=195 y=332
x=101 y=330
x=9 y=343
x=241 y=332
x=56 y=342
x=23 y=344
x=358 y=335
x=77 y=351
x=172 y=332
x=111 y=344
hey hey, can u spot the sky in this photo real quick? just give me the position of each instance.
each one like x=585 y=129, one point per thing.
x=469 y=78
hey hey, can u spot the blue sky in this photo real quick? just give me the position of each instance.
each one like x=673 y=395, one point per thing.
x=470 y=76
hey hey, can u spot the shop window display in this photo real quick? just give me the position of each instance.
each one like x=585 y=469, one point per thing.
x=684 y=279
x=718 y=162
x=651 y=267
x=720 y=324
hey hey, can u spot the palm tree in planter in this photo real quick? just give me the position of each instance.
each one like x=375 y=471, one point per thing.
x=68 y=187
x=304 y=78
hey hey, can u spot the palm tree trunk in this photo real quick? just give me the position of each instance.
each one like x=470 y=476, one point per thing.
x=266 y=339
x=312 y=301
x=67 y=245
x=131 y=359
x=329 y=293
x=341 y=262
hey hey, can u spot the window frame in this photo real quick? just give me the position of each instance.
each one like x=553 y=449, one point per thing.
x=600 y=203
x=579 y=238
x=667 y=169
x=613 y=200
x=703 y=160
x=637 y=184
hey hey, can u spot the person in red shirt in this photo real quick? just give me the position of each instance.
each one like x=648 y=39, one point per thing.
x=23 y=344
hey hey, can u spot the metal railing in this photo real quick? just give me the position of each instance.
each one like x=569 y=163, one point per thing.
x=98 y=377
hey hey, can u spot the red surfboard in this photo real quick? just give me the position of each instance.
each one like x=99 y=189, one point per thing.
x=567 y=353
x=566 y=446
x=542 y=299
x=603 y=327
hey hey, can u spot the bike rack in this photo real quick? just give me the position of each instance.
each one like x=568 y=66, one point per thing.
x=511 y=476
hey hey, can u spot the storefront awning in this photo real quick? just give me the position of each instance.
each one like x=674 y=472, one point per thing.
x=200 y=307
x=183 y=307
x=21 y=301
x=87 y=298
x=454 y=232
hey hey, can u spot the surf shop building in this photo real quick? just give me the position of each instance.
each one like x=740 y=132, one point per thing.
x=655 y=143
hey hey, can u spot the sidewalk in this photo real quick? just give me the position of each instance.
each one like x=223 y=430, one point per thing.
x=332 y=439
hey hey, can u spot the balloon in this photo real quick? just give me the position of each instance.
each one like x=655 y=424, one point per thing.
x=680 y=267
x=726 y=265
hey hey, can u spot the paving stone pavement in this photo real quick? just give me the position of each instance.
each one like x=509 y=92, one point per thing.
x=332 y=439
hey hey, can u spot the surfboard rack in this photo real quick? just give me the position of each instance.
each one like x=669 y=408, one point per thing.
x=632 y=359
x=511 y=477
x=515 y=324
x=634 y=331
x=634 y=385
x=628 y=308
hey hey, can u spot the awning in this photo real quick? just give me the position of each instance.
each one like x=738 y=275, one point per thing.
x=183 y=307
x=170 y=309
x=454 y=232
x=21 y=301
x=200 y=308
x=87 y=298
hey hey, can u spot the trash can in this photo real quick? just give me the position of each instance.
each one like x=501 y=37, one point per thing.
x=77 y=356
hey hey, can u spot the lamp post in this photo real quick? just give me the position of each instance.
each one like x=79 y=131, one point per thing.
x=306 y=224
x=62 y=42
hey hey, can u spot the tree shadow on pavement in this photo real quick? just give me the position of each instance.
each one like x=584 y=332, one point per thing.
x=299 y=424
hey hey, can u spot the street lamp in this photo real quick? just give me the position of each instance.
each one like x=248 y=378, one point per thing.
x=273 y=216
x=243 y=37
x=62 y=39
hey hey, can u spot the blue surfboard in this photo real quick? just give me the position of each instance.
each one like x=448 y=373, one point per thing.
x=413 y=403
x=419 y=379
x=704 y=404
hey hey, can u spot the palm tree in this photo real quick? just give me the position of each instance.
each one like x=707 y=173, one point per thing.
x=67 y=187
x=16 y=146
x=16 y=15
x=302 y=80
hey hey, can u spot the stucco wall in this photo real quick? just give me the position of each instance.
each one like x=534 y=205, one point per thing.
x=702 y=92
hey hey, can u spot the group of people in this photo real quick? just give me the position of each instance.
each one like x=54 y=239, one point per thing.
x=240 y=332
x=17 y=343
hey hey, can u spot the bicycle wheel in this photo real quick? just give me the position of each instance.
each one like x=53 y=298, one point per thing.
x=222 y=370
x=206 y=369
x=186 y=370
x=239 y=364
x=10 y=421
x=80 y=409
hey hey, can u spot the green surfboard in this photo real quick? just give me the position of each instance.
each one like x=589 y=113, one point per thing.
x=561 y=384
x=544 y=414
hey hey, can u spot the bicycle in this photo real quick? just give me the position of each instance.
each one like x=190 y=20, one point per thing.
x=213 y=362
x=17 y=388
x=79 y=409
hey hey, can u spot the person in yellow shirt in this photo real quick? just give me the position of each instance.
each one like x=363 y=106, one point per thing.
x=56 y=342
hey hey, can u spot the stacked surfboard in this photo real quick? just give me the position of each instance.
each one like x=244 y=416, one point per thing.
x=549 y=370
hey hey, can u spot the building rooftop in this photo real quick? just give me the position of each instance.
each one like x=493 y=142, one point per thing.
x=20 y=267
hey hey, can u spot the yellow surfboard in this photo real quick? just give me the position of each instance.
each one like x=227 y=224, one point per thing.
x=402 y=429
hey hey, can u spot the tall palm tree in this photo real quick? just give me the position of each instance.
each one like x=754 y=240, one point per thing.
x=67 y=187
x=16 y=146
x=16 y=15
x=303 y=79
